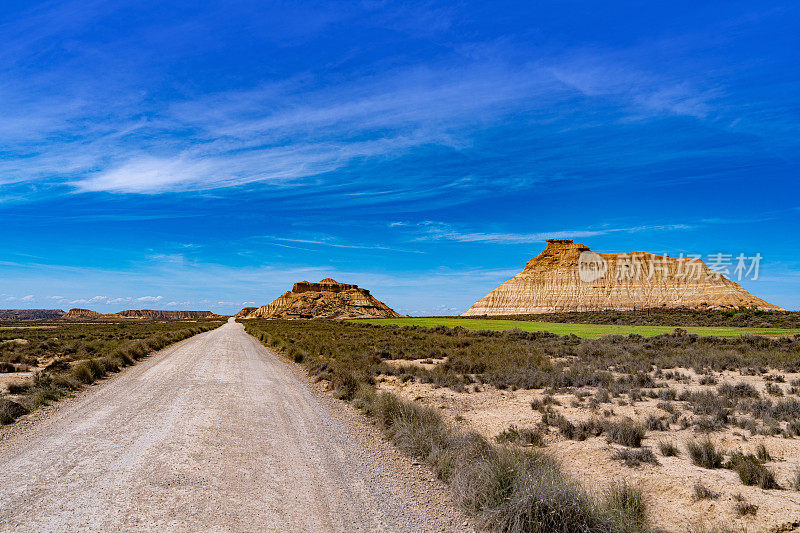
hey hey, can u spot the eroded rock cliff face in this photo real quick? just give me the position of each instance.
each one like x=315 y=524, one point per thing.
x=151 y=314
x=82 y=313
x=30 y=314
x=245 y=311
x=141 y=314
x=568 y=276
x=326 y=299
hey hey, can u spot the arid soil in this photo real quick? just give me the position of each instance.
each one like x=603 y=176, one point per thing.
x=214 y=433
x=668 y=486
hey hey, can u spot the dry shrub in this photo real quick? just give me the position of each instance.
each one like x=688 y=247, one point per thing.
x=668 y=448
x=626 y=432
x=633 y=458
x=704 y=454
x=525 y=436
x=10 y=411
x=751 y=471
x=701 y=492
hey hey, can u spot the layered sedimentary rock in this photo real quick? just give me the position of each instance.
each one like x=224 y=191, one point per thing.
x=568 y=276
x=82 y=313
x=30 y=314
x=141 y=314
x=245 y=311
x=326 y=299
x=151 y=314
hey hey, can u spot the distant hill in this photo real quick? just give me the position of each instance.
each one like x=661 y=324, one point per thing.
x=30 y=314
x=140 y=314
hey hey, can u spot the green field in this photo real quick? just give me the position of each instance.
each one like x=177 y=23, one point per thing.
x=591 y=331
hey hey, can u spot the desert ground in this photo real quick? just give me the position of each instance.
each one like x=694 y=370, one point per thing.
x=222 y=431
x=669 y=485
x=631 y=410
x=214 y=433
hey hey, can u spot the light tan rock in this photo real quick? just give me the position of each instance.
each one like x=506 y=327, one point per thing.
x=326 y=299
x=82 y=313
x=568 y=276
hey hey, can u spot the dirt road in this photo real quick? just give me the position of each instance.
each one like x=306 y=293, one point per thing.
x=214 y=433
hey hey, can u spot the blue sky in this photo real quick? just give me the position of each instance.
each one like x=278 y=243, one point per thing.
x=207 y=155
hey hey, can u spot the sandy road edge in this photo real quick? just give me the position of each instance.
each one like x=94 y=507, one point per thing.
x=369 y=434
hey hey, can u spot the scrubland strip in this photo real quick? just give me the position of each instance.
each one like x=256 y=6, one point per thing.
x=77 y=355
x=508 y=489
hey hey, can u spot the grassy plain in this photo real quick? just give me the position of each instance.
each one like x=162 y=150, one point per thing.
x=587 y=331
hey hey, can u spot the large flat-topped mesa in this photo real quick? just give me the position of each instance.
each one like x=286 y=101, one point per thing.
x=568 y=276
x=327 y=284
x=325 y=299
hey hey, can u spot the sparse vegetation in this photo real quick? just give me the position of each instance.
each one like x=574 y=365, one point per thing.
x=619 y=387
x=743 y=507
x=634 y=458
x=752 y=471
x=625 y=432
x=69 y=356
x=668 y=448
x=704 y=454
x=524 y=436
x=508 y=489
x=701 y=492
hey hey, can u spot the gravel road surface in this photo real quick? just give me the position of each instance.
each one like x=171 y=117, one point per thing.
x=214 y=433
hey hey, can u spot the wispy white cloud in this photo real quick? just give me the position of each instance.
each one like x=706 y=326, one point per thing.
x=27 y=298
x=149 y=298
x=337 y=243
x=440 y=231
x=293 y=133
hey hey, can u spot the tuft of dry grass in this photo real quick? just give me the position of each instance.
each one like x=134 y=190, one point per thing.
x=751 y=471
x=704 y=454
x=668 y=448
x=743 y=507
x=701 y=492
x=525 y=436
x=625 y=432
x=633 y=458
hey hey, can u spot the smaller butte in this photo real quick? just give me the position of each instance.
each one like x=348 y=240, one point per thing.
x=326 y=299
